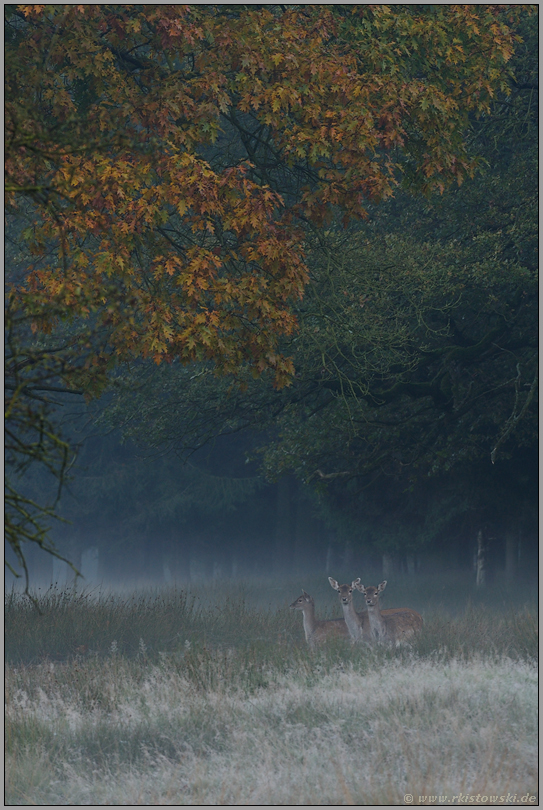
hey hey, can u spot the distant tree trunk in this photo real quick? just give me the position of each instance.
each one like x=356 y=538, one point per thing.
x=283 y=526
x=511 y=556
x=219 y=556
x=308 y=535
x=328 y=561
x=301 y=519
x=61 y=572
x=177 y=558
x=155 y=548
x=411 y=562
x=232 y=561
x=388 y=565
x=90 y=564
x=42 y=567
x=480 y=568
x=75 y=550
x=135 y=565
x=348 y=556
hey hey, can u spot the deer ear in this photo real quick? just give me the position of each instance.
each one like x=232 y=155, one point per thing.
x=304 y=593
x=382 y=586
x=355 y=582
x=333 y=583
x=358 y=585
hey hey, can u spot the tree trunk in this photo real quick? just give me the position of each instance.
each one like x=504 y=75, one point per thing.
x=61 y=573
x=90 y=564
x=480 y=578
x=328 y=562
x=283 y=527
x=75 y=551
x=348 y=556
x=301 y=519
x=388 y=565
x=511 y=556
x=178 y=556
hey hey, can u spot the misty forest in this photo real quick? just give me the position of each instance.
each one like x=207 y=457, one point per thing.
x=270 y=327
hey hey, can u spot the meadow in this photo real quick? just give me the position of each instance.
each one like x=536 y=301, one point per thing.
x=210 y=696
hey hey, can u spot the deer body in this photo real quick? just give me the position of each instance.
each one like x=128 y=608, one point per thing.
x=384 y=626
x=318 y=630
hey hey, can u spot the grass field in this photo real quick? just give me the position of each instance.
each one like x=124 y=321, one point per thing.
x=163 y=697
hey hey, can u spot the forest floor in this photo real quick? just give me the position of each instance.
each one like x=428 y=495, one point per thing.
x=169 y=697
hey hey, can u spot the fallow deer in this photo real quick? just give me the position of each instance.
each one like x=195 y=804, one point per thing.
x=396 y=627
x=318 y=630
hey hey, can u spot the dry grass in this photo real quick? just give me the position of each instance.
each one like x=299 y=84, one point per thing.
x=258 y=719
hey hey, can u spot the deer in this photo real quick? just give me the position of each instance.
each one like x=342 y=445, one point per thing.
x=385 y=626
x=359 y=624
x=318 y=630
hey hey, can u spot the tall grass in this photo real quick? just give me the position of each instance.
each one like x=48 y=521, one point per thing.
x=173 y=698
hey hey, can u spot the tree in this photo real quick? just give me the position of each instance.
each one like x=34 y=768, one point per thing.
x=417 y=348
x=130 y=503
x=30 y=439
x=173 y=158
x=37 y=367
x=172 y=149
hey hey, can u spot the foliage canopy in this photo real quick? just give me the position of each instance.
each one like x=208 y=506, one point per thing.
x=173 y=152
x=180 y=177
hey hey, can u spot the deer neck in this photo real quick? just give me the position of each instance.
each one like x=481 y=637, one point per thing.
x=352 y=621
x=310 y=622
x=377 y=622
